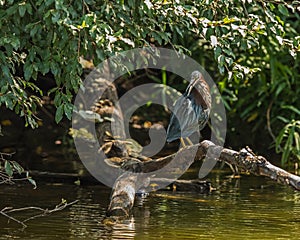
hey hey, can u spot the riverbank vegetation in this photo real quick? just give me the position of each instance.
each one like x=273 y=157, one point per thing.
x=250 y=48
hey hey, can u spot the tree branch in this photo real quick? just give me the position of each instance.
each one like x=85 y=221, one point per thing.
x=44 y=212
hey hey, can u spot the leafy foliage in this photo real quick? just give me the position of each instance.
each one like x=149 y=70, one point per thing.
x=250 y=47
x=290 y=139
x=10 y=168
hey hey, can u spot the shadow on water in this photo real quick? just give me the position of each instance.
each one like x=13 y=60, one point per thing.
x=246 y=208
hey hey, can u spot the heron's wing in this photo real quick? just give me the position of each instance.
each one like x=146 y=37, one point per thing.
x=173 y=131
x=203 y=118
x=183 y=121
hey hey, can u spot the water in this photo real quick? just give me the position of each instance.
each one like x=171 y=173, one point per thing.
x=246 y=208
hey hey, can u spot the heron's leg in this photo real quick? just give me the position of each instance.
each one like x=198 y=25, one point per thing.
x=182 y=142
x=189 y=141
x=234 y=169
x=231 y=167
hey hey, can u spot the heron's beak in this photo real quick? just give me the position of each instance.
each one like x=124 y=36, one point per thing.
x=192 y=84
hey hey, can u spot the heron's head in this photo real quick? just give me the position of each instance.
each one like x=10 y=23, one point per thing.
x=195 y=76
x=203 y=89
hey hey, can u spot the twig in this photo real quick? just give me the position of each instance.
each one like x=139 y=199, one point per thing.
x=14 y=219
x=4 y=212
x=22 y=209
x=6 y=154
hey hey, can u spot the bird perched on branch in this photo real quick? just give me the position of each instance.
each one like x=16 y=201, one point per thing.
x=191 y=110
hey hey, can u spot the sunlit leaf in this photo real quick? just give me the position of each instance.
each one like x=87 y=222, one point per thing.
x=33 y=182
x=213 y=40
x=18 y=167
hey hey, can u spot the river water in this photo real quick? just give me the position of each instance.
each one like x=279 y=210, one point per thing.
x=246 y=208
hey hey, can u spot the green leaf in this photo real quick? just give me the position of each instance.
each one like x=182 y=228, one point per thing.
x=15 y=42
x=55 y=16
x=77 y=182
x=221 y=60
x=221 y=69
x=57 y=98
x=279 y=88
x=34 y=30
x=297 y=141
x=28 y=70
x=292 y=108
x=68 y=108
x=279 y=139
x=12 y=10
x=55 y=69
x=18 y=167
x=244 y=44
x=33 y=182
x=157 y=37
x=283 y=10
x=29 y=8
x=285 y=120
x=5 y=70
x=228 y=52
x=272 y=7
x=288 y=146
x=59 y=113
x=8 y=168
x=217 y=51
x=22 y=9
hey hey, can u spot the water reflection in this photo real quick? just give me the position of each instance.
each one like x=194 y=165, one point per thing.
x=246 y=208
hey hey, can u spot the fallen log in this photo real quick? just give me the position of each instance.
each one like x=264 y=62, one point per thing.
x=245 y=160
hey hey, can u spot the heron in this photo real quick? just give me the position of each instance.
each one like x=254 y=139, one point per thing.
x=191 y=110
